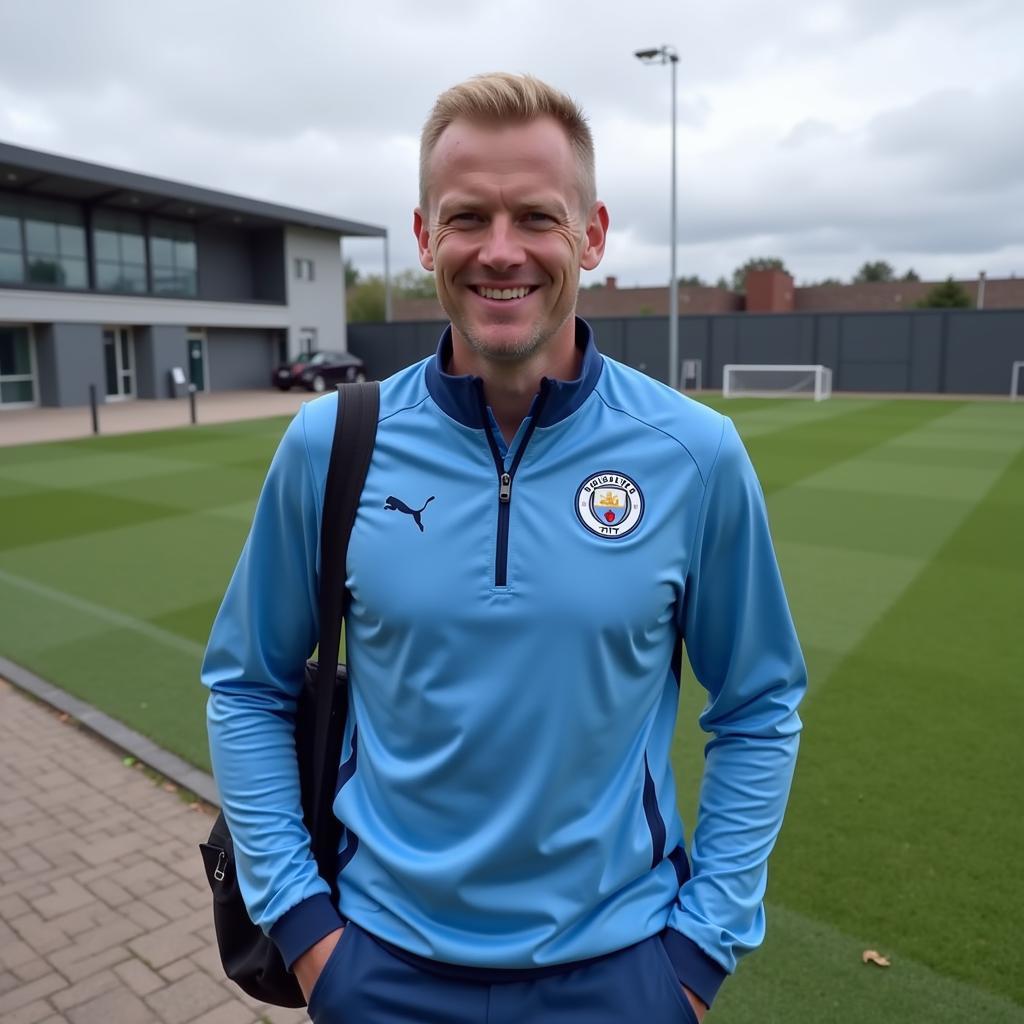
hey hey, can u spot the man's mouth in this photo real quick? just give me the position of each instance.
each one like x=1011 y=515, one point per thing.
x=504 y=294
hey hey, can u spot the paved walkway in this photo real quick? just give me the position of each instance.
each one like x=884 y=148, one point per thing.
x=23 y=426
x=105 y=914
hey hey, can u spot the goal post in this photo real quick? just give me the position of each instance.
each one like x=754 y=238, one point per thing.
x=774 y=380
x=1016 y=380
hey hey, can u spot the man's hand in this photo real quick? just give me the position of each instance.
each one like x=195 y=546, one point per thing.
x=698 y=1006
x=308 y=967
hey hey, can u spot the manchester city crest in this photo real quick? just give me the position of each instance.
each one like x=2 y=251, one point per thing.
x=609 y=504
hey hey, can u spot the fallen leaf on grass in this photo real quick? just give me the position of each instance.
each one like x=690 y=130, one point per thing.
x=63 y=717
x=170 y=787
x=872 y=956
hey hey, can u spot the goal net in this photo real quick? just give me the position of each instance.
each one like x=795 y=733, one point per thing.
x=741 y=380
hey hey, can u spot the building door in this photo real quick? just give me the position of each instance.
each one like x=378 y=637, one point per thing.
x=119 y=358
x=307 y=341
x=196 y=341
x=17 y=366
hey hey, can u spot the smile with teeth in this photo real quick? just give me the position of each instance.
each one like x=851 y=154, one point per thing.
x=503 y=293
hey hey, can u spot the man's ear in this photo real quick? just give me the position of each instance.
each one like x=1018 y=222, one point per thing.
x=422 y=233
x=595 y=237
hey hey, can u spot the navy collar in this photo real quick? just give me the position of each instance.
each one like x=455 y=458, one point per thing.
x=459 y=397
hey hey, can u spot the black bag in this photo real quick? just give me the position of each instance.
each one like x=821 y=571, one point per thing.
x=250 y=959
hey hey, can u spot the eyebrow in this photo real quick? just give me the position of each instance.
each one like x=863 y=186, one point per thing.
x=535 y=202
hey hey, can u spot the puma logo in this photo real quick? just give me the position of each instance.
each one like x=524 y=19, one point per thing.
x=394 y=504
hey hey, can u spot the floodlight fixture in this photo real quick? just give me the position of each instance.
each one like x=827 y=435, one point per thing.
x=666 y=54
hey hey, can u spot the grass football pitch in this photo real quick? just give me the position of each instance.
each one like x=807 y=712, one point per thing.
x=898 y=524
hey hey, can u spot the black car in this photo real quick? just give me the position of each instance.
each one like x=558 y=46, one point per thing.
x=317 y=371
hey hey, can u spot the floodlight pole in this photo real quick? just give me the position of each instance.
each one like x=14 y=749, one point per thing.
x=387 y=280
x=667 y=55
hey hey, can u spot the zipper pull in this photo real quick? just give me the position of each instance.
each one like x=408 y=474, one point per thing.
x=505 y=490
x=218 y=871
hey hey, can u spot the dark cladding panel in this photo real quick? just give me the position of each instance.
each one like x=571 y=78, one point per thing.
x=981 y=350
x=78 y=354
x=240 y=358
x=268 y=265
x=774 y=338
x=926 y=349
x=878 y=338
x=225 y=264
x=157 y=351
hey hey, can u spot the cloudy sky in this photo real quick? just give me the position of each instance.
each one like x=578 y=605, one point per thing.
x=827 y=132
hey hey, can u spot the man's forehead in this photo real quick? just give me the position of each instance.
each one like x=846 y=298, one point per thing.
x=533 y=156
x=503 y=147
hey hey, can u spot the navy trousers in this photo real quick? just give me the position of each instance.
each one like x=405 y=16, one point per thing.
x=364 y=983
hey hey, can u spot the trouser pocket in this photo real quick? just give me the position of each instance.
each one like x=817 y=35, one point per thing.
x=332 y=977
x=672 y=978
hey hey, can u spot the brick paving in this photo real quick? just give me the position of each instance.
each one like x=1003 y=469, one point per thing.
x=104 y=908
x=25 y=426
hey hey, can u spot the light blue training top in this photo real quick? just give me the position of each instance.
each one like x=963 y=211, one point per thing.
x=513 y=646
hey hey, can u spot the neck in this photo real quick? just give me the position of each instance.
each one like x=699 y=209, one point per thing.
x=510 y=386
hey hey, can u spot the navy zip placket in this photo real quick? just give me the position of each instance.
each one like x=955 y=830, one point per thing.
x=505 y=477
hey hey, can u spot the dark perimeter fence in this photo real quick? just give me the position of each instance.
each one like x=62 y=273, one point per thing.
x=955 y=351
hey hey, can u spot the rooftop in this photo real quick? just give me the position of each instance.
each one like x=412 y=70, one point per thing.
x=34 y=172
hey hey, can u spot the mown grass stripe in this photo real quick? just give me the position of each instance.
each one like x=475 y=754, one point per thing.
x=906 y=817
x=102 y=613
x=810 y=972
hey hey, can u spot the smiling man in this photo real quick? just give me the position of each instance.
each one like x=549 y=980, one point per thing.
x=512 y=848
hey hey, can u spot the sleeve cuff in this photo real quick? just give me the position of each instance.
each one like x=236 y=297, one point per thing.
x=305 y=925
x=702 y=975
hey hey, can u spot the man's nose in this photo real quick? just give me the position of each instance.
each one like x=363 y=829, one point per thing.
x=501 y=248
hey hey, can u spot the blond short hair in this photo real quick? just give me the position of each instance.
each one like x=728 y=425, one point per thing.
x=500 y=97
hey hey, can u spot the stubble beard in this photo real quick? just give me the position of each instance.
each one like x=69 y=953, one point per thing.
x=516 y=351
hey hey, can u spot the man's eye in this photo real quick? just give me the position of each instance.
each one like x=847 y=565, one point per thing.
x=536 y=217
x=465 y=217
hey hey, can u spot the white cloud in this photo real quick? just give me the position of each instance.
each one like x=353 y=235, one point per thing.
x=825 y=132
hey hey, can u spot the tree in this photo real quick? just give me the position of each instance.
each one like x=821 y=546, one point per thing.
x=947 y=295
x=691 y=281
x=831 y=281
x=739 y=275
x=413 y=284
x=365 y=296
x=366 y=300
x=873 y=273
x=910 y=275
x=722 y=283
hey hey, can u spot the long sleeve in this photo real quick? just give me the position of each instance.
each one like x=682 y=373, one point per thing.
x=264 y=632
x=743 y=648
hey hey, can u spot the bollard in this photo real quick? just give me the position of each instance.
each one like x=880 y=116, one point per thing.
x=192 y=402
x=95 y=410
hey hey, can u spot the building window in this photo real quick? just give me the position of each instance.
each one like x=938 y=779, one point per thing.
x=12 y=253
x=305 y=269
x=119 y=361
x=41 y=243
x=120 y=251
x=17 y=381
x=172 y=257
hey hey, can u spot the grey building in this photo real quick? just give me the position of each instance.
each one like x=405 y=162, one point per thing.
x=113 y=278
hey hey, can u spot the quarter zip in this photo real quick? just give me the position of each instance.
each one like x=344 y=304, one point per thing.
x=505 y=477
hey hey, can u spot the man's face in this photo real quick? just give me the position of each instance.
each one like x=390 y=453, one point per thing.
x=505 y=235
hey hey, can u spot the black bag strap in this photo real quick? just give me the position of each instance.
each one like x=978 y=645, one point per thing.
x=354 y=433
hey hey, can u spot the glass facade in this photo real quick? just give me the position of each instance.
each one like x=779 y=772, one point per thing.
x=172 y=257
x=54 y=244
x=17 y=382
x=12 y=252
x=119 y=251
x=42 y=243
